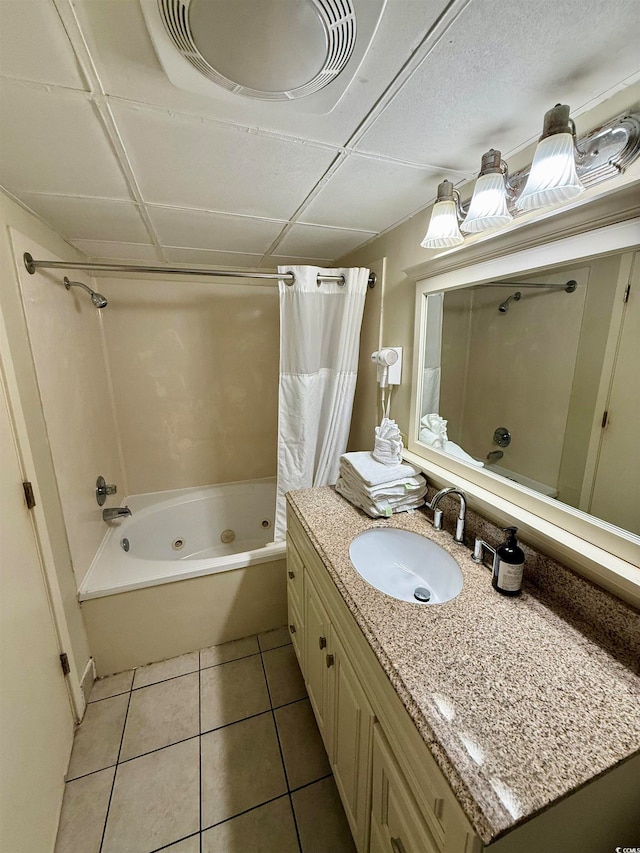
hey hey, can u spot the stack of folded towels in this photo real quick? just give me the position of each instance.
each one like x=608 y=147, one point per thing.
x=377 y=488
x=379 y=482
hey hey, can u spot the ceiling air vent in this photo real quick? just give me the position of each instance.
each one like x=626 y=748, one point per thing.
x=269 y=50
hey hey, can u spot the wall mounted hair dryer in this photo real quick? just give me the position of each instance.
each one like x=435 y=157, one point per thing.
x=390 y=357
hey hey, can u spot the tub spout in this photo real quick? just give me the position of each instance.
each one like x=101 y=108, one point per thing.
x=113 y=512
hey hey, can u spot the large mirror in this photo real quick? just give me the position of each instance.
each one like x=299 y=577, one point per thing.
x=534 y=378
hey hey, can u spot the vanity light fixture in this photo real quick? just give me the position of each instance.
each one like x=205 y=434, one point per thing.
x=488 y=207
x=553 y=175
x=562 y=168
x=444 y=230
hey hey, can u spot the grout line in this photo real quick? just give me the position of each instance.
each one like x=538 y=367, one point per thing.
x=272 y=648
x=246 y=811
x=162 y=680
x=92 y=773
x=177 y=841
x=113 y=783
x=284 y=766
x=313 y=782
x=233 y=660
x=200 y=751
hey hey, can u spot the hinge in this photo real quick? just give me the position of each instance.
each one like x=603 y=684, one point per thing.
x=627 y=291
x=28 y=495
x=64 y=663
x=605 y=418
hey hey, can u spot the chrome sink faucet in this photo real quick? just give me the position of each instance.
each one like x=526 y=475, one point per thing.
x=437 y=513
x=111 y=513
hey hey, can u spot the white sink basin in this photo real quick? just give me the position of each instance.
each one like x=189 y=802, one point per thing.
x=406 y=566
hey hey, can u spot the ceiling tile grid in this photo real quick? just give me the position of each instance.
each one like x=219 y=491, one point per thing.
x=96 y=140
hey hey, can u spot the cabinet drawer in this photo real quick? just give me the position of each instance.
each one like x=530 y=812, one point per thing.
x=397 y=825
x=295 y=575
x=296 y=630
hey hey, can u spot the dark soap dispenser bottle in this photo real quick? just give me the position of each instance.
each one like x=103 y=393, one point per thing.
x=508 y=565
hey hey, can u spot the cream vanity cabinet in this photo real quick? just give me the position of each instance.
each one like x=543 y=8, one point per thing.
x=395 y=797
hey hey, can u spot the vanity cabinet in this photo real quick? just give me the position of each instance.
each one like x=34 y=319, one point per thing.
x=395 y=797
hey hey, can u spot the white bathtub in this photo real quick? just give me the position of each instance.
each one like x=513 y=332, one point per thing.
x=187 y=533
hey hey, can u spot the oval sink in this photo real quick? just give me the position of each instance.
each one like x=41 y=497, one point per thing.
x=406 y=566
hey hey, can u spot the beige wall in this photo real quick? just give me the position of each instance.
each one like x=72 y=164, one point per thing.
x=12 y=215
x=64 y=331
x=195 y=380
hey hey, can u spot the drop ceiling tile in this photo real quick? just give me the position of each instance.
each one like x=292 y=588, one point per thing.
x=193 y=163
x=105 y=251
x=89 y=218
x=274 y=261
x=490 y=80
x=315 y=241
x=371 y=194
x=177 y=255
x=52 y=141
x=34 y=44
x=129 y=68
x=199 y=229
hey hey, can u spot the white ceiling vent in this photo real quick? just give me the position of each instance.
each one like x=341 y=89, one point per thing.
x=301 y=52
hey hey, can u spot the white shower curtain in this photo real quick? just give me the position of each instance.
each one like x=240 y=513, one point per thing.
x=319 y=343
x=432 y=355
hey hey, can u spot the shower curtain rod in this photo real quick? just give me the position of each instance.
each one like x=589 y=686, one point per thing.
x=569 y=287
x=289 y=278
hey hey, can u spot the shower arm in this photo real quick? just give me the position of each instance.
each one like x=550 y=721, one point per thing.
x=288 y=277
x=569 y=287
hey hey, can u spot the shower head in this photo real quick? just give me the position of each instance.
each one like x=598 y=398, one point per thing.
x=504 y=306
x=98 y=299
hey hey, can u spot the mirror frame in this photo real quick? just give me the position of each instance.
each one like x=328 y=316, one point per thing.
x=608 y=553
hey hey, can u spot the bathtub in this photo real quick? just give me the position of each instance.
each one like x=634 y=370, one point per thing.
x=176 y=535
x=201 y=569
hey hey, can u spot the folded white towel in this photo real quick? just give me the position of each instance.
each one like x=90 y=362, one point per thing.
x=404 y=487
x=430 y=438
x=376 y=509
x=435 y=430
x=373 y=473
x=455 y=450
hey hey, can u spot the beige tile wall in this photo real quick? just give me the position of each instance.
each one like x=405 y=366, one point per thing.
x=195 y=377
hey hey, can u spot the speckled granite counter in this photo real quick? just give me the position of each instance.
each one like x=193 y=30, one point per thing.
x=518 y=706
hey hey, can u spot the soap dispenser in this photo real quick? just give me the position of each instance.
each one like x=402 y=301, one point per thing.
x=508 y=565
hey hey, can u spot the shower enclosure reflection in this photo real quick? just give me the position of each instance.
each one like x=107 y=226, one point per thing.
x=540 y=363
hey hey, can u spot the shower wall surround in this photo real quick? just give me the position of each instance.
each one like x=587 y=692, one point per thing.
x=195 y=380
x=65 y=335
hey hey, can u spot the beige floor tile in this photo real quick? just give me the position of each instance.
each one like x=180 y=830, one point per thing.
x=97 y=740
x=304 y=754
x=229 y=651
x=84 y=809
x=321 y=820
x=155 y=800
x=112 y=685
x=273 y=639
x=155 y=672
x=241 y=768
x=267 y=829
x=187 y=845
x=283 y=675
x=233 y=691
x=161 y=714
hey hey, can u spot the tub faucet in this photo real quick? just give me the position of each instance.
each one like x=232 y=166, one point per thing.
x=111 y=513
x=437 y=513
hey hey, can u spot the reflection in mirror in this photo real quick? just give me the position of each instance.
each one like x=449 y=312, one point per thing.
x=518 y=374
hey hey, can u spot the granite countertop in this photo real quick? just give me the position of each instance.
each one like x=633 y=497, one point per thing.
x=518 y=706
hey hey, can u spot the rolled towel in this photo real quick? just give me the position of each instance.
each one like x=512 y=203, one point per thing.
x=434 y=430
x=388 y=443
x=373 y=473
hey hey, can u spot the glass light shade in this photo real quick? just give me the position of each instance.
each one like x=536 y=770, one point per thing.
x=443 y=231
x=553 y=175
x=488 y=208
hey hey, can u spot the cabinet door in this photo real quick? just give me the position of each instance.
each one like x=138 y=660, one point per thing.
x=296 y=630
x=396 y=823
x=351 y=724
x=316 y=637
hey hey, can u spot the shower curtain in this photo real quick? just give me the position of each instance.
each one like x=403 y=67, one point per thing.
x=432 y=355
x=319 y=343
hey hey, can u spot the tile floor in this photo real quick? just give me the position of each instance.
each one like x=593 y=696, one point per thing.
x=215 y=751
